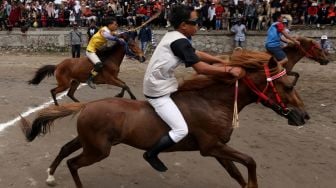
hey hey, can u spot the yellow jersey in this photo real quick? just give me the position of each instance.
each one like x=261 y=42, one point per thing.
x=97 y=40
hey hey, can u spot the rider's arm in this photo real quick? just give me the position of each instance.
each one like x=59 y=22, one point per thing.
x=209 y=58
x=183 y=50
x=109 y=36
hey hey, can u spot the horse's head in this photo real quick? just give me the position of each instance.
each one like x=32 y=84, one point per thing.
x=133 y=50
x=276 y=91
x=313 y=50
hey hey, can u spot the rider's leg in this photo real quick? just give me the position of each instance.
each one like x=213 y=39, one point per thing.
x=98 y=66
x=169 y=113
x=279 y=55
x=283 y=62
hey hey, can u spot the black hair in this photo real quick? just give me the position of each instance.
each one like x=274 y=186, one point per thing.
x=109 y=21
x=276 y=15
x=179 y=14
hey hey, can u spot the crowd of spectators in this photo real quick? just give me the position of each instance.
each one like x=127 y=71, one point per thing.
x=213 y=14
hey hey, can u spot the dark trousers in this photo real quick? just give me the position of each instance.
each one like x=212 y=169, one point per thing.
x=76 y=50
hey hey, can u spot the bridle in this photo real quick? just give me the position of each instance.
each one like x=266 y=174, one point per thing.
x=277 y=105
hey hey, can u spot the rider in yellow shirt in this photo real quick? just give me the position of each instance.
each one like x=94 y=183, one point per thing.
x=97 y=41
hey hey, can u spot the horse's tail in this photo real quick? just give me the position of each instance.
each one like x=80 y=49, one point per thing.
x=41 y=73
x=46 y=117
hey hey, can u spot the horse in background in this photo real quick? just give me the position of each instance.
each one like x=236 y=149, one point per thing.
x=73 y=71
x=308 y=48
x=206 y=102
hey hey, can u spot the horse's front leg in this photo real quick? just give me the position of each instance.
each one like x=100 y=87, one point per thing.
x=226 y=153
x=117 y=82
x=232 y=169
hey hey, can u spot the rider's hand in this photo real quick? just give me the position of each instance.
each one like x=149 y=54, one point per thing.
x=235 y=71
x=122 y=41
x=297 y=42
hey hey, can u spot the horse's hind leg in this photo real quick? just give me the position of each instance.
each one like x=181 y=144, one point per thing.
x=57 y=90
x=227 y=153
x=232 y=169
x=73 y=87
x=92 y=153
x=65 y=151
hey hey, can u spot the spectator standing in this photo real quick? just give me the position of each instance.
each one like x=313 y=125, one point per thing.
x=239 y=29
x=2 y=18
x=219 y=11
x=212 y=16
x=78 y=13
x=322 y=15
x=75 y=41
x=145 y=36
x=204 y=15
x=93 y=29
x=50 y=14
x=88 y=15
x=332 y=14
x=250 y=15
x=312 y=14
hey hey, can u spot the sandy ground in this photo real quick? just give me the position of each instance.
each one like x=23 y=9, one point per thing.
x=286 y=156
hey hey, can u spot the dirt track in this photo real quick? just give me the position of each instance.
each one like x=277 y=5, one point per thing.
x=286 y=156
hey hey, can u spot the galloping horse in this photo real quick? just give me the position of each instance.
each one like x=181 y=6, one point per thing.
x=207 y=104
x=73 y=71
x=307 y=48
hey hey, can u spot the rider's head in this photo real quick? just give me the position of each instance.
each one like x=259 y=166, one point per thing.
x=184 y=19
x=111 y=23
x=277 y=17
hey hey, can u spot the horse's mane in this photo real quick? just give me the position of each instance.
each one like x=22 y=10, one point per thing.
x=304 y=41
x=251 y=61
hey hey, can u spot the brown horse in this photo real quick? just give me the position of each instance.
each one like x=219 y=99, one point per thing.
x=308 y=48
x=73 y=71
x=207 y=104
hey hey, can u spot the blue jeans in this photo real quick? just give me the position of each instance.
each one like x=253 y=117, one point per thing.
x=277 y=52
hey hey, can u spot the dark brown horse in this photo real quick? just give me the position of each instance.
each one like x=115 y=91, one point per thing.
x=73 y=71
x=207 y=103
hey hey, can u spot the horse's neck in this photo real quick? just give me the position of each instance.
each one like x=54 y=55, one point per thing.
x=293 y=57
x=221 y=97
x=117 y=55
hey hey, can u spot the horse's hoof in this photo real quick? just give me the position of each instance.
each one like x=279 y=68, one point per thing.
x=51 y=181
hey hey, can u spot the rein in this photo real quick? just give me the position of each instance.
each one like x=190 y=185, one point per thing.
x=278 y=105
x=310 y=52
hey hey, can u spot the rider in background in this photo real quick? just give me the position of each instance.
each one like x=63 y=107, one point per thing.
x=175 y=49
x=273 y=39
x=97 y=42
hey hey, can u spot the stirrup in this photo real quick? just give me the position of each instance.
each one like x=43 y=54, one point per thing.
x=155 y=162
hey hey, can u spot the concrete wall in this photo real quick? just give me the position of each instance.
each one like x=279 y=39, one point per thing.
x=214 y=42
